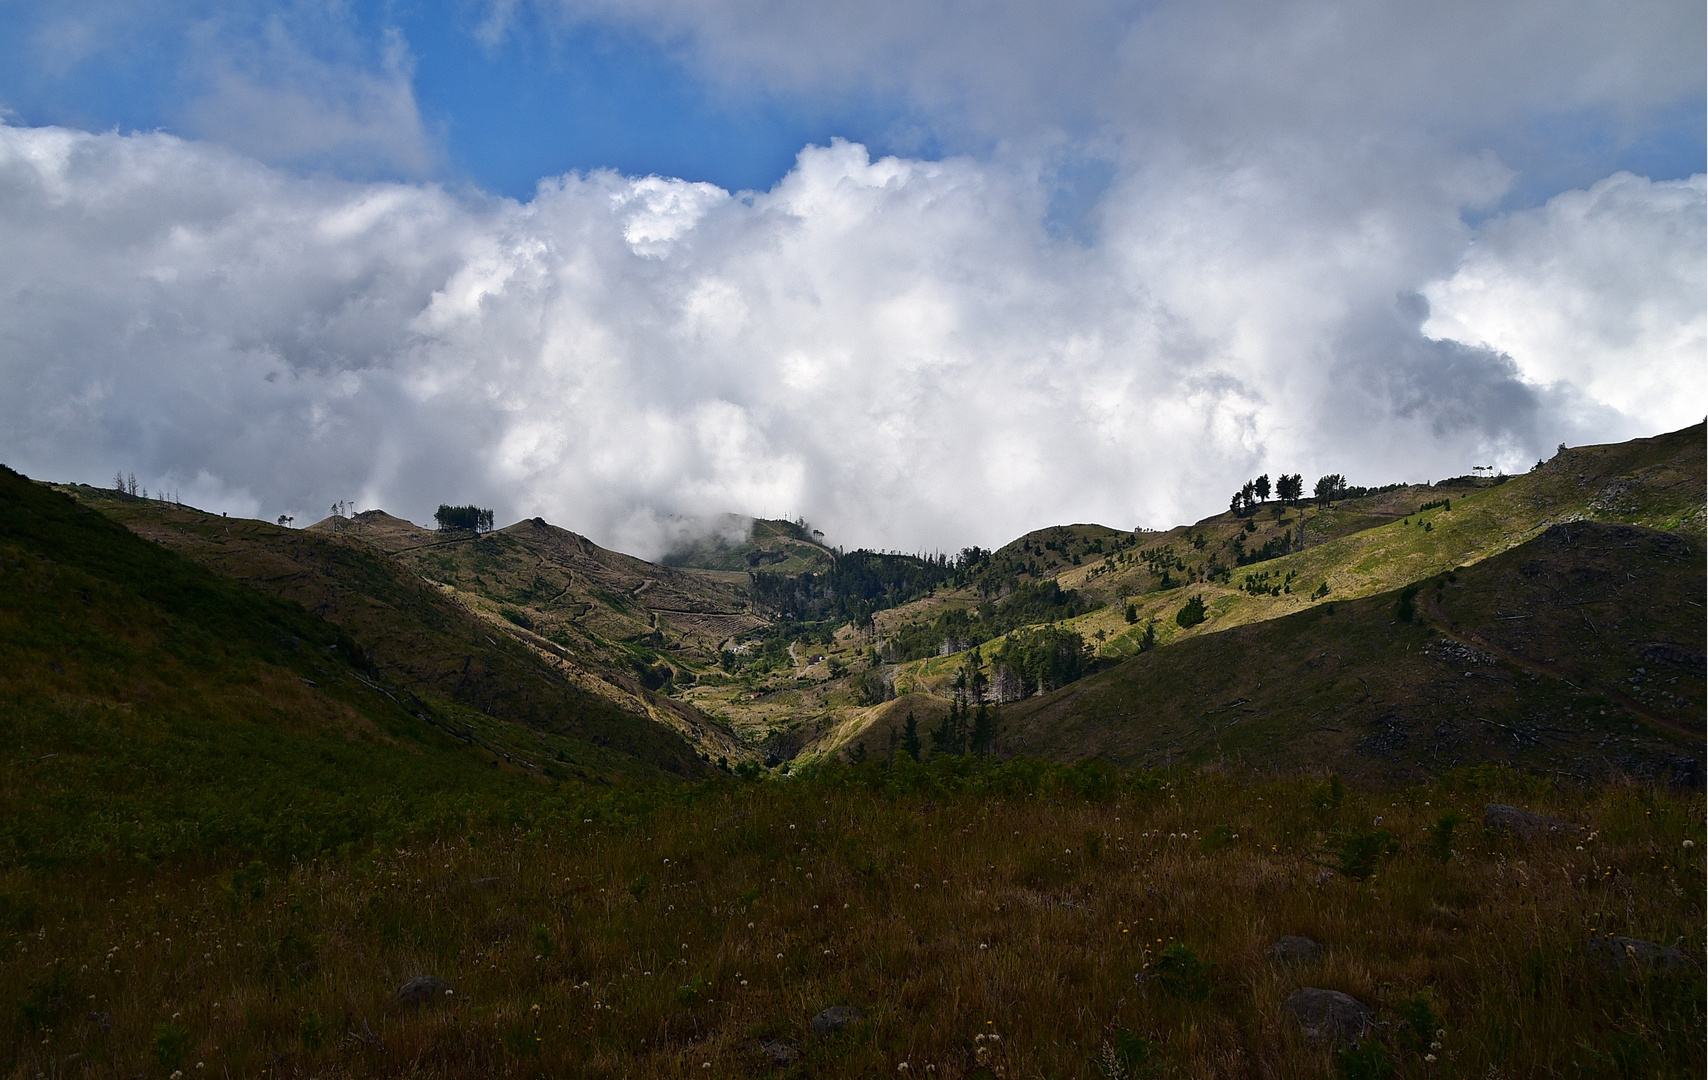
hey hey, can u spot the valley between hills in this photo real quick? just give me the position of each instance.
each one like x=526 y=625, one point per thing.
x=780 y=650
x=1403 y=782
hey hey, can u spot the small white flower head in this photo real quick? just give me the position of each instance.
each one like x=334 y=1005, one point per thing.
x=1690 y=843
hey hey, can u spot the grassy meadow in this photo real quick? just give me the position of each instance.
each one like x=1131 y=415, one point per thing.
x=1015 y=920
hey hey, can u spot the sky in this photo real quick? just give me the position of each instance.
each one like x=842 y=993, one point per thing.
x=926 y=273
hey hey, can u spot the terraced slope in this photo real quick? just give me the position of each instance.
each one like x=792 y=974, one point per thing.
x=1579 y=652
x=420 y=636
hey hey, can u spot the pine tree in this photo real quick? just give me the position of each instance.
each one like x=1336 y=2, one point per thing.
x=910 y=737
x=984 y=730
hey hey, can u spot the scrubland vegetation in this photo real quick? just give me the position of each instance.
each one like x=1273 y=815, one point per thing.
x=1017 y=920
x=366 y=799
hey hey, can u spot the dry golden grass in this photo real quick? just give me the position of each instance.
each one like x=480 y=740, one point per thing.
x=982 y=918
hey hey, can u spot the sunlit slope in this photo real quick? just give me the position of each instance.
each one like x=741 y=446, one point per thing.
x=152 y=707
x=566 y=588
x=1657 y=483
x=1579 y=652
x=417 y=635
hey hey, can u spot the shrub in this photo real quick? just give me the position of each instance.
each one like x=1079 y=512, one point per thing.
x=1329 y=794
x=1441 y=834
x=1182 y=974
x=1130 y=1056
x=1359 y=852
x=1418 y=1024
x=1192 y=613
x=1370 y=1061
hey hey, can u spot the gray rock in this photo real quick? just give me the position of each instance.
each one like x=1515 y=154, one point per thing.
x=1329 y=1015
x=834 y=1019
x=423 y=990
x=1293 y=949
x=779 y=1052
x=1527 y=825
x=1635 y=954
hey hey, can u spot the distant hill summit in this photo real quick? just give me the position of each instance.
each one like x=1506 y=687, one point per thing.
x=786 y=547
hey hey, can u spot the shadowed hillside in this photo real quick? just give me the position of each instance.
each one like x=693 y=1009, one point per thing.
x=151 y=707
x=415 y=635
x=1578 y=653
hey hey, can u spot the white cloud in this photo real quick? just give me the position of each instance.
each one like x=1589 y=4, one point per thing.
x=1602 y=290
x=898 y=350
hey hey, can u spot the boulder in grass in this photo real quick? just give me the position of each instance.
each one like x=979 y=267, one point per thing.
x=1330 y=1016
x=1527 y=825
x=422 y=990
x=1636 y=955
x=1294 y=949
x=834 y=1019
x=780 y=1053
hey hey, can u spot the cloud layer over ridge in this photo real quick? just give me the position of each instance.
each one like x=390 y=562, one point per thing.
x=902 y=351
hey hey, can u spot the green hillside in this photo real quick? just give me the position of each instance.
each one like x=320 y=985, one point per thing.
x=1579 y=653
x=416 y=635
x=150 y=706
x=241 y=838
x=1366 y=546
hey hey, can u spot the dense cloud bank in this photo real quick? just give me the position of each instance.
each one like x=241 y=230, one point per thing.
x=906 y=352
